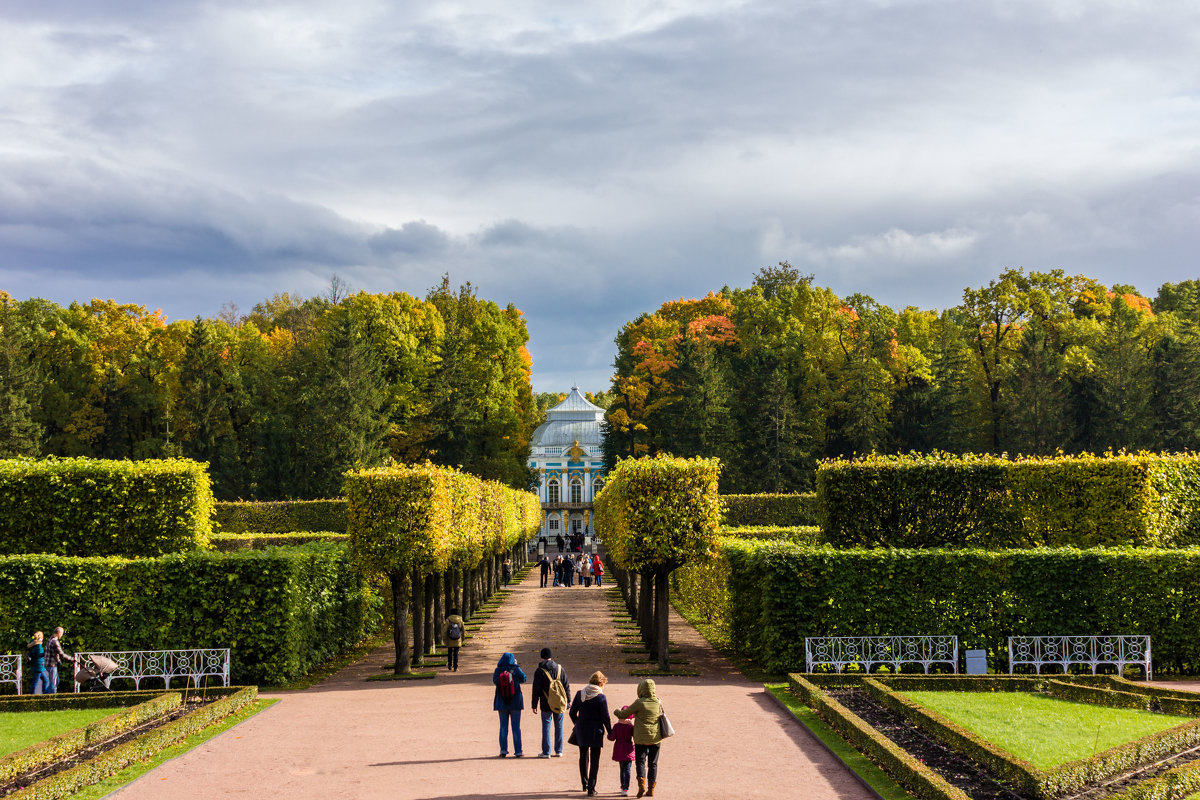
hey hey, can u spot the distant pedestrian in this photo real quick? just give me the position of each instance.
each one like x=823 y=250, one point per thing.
x=568 y=571
x=36 y=652
x=508 y=678
x=55 y=655
x=621 y=736
x=553 y=700
x=645 y=712
x=598 y=570
x=544 y=565
x=456 y=634
x=585 y=570
x=506 y=571
x=589 y=712
x=560 y=541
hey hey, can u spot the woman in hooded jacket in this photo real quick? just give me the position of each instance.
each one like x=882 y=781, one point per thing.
x=646 y=737
x=509 y=707
x=589 y=712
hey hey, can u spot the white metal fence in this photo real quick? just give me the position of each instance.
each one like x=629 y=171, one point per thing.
x=1091 y=651
x=867 y=651
x=166 y=665
x=10 y=670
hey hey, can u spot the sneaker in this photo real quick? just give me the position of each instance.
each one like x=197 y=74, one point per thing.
x=504 y=755
x=558 y=755
x=624 y=793
x=518 y=755
x=543 y=755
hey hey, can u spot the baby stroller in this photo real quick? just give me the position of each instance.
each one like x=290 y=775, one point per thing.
x=94 y=673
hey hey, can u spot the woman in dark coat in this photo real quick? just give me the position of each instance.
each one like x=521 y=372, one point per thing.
x=589 y=712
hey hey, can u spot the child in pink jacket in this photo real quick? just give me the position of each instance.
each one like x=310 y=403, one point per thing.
x=622 y=735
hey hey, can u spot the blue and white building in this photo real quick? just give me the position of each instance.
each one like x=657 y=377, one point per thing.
x=565 y=450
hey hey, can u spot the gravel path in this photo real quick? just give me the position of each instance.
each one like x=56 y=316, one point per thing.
x=437 y=739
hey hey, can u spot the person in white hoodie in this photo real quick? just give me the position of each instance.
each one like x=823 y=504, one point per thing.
x=589 y=712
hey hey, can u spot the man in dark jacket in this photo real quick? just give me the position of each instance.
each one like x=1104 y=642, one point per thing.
x=547 y=670
x=544 y=563
x=55 y=655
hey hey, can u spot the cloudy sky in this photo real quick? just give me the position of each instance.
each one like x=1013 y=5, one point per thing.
x=588 y=161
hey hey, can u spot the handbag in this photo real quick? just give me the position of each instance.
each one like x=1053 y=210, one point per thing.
x=572 y=739
x=665 y=728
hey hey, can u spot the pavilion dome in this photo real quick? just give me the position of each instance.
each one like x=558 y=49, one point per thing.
x=575 y=419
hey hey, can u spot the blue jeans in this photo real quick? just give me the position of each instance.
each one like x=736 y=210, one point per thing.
x=52 y=680
x=547 y=715
x=626 y=768
x=515 y=716
x=41 y=682
x=600 y=582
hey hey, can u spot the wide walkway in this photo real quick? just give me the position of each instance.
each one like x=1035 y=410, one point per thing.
x=437 y=739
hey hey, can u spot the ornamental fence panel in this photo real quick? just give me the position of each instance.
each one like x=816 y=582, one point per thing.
x=140 y=665
x=840 y=652
x=1089 y=651
x=10 y=670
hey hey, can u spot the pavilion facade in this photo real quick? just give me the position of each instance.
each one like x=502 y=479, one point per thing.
x=566 y=452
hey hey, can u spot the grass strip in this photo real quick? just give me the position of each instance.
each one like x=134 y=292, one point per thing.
x=135 y=771
x=337 y=663
x=658 y=673
x=405 y=676
x=856 y=762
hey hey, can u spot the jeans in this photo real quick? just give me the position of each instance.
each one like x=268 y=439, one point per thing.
x=647 y=752
x=547 y=717
x=599 y=580
x=625 y=770
x=52 y=680
x=41 y=682
x=515 y=716
x=588 y=772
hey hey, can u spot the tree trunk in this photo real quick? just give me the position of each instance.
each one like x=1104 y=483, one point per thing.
x=662 y=610
x=467 y=586
x=418 y=615
x=645 y=609
x=430 y=621
x=439 y=608
x=401 y=589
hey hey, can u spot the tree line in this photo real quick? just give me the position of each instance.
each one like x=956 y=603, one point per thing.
x=775 y=377
x=280 y=401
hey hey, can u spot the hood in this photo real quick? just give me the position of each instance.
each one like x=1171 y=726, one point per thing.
x=507 y=660
x=646 y=689
x=592 y=691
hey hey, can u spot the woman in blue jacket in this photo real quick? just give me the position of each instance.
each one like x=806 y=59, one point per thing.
x=37 y=664
x=508 y=678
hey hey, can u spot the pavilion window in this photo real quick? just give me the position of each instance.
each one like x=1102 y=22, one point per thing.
x=576 y=490
x=552 y=491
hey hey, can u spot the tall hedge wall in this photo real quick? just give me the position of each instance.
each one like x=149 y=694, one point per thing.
x=89 y=507
x=778 y=593
x=989 y=501
x=778 y=510
x=282 y=611
x=284 y=516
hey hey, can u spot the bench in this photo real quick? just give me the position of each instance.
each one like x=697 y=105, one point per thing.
x=1092 y=651
x=866 y=651
x=10 y=670
x=165 y=665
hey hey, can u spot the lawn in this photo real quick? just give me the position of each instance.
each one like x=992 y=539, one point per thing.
x=20 y=729
x=1045 y=731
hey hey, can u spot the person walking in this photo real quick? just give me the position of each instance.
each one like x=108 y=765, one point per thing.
x=506 y=571
x=589 y=712
x=621 y=736
x=585 y=570
x=55 y=655
x=553 y=700
x=645 y=712
x=508 y=678
x=36 y=651
x=598 y=570
x=558 y=539
x=568 y=571
x=456 y=634
x=544 y=566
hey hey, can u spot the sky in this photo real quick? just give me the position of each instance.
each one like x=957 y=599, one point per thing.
x=589 y=161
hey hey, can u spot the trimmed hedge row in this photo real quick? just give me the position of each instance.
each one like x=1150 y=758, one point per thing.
x=1054 y=782
x=228 y=542
x=778 y=593
x=66 y=783
x=801 y=534
x=58 y=747
x=782 y=510
x=1095 y=695
x=72 y=700
x=938 y=500
x=90 y=507
x=906 y=770
x=281 y=611
x=284 y=516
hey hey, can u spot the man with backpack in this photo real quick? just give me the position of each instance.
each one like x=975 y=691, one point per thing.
x=552 y=691
x=456 y=632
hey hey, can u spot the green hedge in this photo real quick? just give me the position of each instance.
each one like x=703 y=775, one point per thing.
x=1081 y=693
x=779 y=593
x=990 y=501
x=228 y=542
x=281 y=611
x=286 y=516
x=90 y=507
x=66 y=783
x=800 y=534
x=780 y=510
x=59 y=747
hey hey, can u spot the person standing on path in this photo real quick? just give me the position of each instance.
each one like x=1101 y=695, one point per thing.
x=621 y=736
x=544 y=565
x=456 y=633
x=585 y=570
x=508 y=678
x=552 y=707
x=598 y=570
x=589 y=712
x=506 y=571
x=646 y=737
x=558 y=539
x=37 y=664
x=55 y=655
